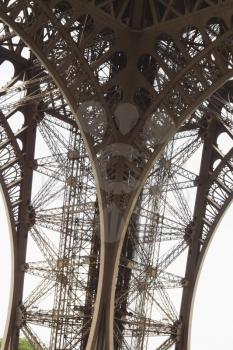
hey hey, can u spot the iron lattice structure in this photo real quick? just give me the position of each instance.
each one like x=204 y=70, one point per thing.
x=109 y=106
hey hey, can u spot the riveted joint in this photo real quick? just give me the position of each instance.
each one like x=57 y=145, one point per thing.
x=30 y=216
x=189 y=232
x=24 y=267
x=151 y=271
x=178 y=330
x=184 y=282
x=31 y=163
x=20 y=316
x=197 y=181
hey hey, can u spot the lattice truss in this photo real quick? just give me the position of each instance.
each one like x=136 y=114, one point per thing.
x=46 y=171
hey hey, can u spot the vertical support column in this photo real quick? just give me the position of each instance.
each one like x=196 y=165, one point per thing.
x=193 y=264
x=93 y=273
x=28 y=137
x=114 y=227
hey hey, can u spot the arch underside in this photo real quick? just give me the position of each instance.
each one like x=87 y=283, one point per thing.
x=171 y=99
x=169 y=281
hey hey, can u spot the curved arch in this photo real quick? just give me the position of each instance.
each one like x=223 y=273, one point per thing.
x=201 y=265
x=202 y=259
x=173 y=100
x=12 y=206
x=161 y=99
x=9 y=148
x=207 y=230
x=14 y=177
x=69 y=94
x=12 y=236
x=61 y=76
x=211 y=232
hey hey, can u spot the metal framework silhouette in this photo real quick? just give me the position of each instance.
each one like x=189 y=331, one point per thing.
x=109 y=103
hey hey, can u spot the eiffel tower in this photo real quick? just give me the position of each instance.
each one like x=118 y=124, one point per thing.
x=107 y=106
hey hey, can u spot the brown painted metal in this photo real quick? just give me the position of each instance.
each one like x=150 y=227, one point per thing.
x=145 y=69
x=200 y=235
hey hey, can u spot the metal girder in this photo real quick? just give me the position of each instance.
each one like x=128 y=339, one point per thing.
x=28 y=141
x=151 y=13
x=201 y=232
x=178 y=57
